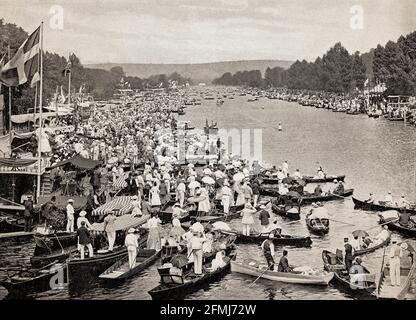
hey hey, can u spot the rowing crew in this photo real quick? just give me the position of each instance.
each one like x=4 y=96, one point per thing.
x=338 y=189
x=388 y=201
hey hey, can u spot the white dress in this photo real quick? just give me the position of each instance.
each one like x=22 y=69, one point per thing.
x=45 y=147
x=155 y=199
x=204 y=205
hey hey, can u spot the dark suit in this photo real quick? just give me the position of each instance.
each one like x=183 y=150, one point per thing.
x=28 y=214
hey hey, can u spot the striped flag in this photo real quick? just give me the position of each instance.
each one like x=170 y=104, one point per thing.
x=24 y=64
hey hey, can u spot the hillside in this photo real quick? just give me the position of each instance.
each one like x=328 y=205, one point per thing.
x=199 y=72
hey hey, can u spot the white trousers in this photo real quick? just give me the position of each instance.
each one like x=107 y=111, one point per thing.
x=197 y=254
x=181 y=196
x=90 y=250
x=395 y=271
x=111 y=239
x=70 y=225
x=226 y=204
x=132 y=252
x=255 y=198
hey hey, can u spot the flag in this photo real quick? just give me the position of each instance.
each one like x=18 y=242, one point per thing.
x=24 y=64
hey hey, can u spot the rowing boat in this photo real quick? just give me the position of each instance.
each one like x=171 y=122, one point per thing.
x=57 y=255
x=177 y=287
x=102 y=260
x=328 y=197
x=45 y=243
x=319 y=226
x=361 y=283
x=409 y=231
x=25 y=282
x=359 y=204
x=287 y=277
x=311 y=179
x=293 y=213
x=407 y=271
x=282 y=240
x=121 y=270
x=372 y=248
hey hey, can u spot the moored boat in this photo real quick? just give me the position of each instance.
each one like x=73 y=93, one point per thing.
x=121 y=270
x=318 y=221
x=280 y=240
x=25 y=282
x=327 y=197
x=178 y=286
x=360 y=204
x=361 y=283
x=327 y=178
x=290 y=212
x=287 y=277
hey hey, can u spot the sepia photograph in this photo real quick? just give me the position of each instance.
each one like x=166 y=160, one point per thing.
x=207 y=150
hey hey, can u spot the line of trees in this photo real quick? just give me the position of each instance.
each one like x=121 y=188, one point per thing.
x=336 y=71
x=100 y=83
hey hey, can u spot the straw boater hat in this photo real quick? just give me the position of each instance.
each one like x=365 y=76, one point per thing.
x=335 y=181
x=134 y=198
x=83 y=213
x=404 y=246
x=70 y=200
x=262 y=206
x=131 y=230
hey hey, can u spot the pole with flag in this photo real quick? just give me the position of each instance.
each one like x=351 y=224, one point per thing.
x=40 y=115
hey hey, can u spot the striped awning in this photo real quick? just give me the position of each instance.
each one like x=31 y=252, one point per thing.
x=122 y=223
x=120 y=182
x=122 y=204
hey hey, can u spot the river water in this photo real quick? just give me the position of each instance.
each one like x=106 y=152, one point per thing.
x=375 y=155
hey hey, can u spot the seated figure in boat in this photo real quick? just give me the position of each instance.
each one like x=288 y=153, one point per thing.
x=218 y=262
x=339 y=189
x=317 y=191
x=284 y=263
x=320 y=172
x=403 y=203
x=371 y=199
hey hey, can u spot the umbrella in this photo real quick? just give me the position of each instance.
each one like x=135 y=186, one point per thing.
x=288 y=180
x=220 y=225
x=360 y=233
x=208 y=180
x=293 y=194
x=179 y=260
x=207 y=171
x=238 y=176
x=194 y=184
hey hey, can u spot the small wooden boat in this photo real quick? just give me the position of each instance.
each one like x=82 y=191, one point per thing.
x=311 y=179
x=385 y=290
x=25 y=282
x=11 y=224
x=329 y=197
x=290 y=212
x=360 y=284
x=121 y=269
x=177 y=287
x=360 y=204
x=372 y=248
x=53 y=241
x=58 y=255
x=287 y=277
x=281 y=240
x=317 y=224
x=94 y=266
x=409 y=231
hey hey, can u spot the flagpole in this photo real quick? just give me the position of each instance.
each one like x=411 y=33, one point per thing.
x=69 y=82
x=40 y=113
x=10 y=104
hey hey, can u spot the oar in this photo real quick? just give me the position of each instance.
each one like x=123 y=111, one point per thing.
x=382 y=224
x=350 y=224
x=336 y=195
x=260 y=276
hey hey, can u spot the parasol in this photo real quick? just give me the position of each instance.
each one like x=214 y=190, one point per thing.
x=238 y=176
x=360 y=233
x=220 y=225
x=293 y=194
x=179 y=260
x=194 y=184
x=196 y=199
x=208 y=180
x=207 y=171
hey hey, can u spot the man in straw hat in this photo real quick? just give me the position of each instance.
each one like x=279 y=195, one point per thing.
x=226 y=194
x=196 y=246
x=268 y=251
x=264 y=218
x=395 y=254
x=132 y=244
x=70 y=211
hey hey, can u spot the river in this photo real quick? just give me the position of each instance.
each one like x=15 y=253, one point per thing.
x=375 y=155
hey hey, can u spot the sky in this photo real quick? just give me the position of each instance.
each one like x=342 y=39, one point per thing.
x=196 y=31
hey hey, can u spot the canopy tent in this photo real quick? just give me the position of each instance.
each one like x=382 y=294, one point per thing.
x=16 y=163
x=121 y=204
x=79 y=162
x=23 y=118
x=122 y=223
x=62 y=201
